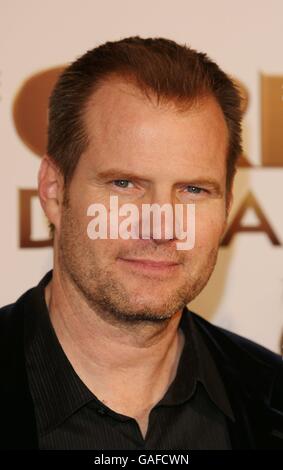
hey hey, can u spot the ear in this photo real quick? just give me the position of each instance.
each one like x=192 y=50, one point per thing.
x=50 y=190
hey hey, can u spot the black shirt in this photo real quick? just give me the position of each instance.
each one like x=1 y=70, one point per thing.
x=192 y=414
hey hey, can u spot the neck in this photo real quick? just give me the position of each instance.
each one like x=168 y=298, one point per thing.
x=107 y=356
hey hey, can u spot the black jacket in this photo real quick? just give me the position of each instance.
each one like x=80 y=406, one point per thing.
x=252 y=375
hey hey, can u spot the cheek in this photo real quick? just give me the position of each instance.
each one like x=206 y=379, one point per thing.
x=104 y=251
x=209 y=228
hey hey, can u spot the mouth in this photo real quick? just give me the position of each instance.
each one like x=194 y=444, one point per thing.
x=150 y=266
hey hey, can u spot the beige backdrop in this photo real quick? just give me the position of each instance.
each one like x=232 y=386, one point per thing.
x=245 y=294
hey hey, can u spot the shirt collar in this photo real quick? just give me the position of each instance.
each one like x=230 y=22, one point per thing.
x=58 y=391
x=207 y=371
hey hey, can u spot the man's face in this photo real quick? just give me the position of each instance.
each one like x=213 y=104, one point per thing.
x=172 y=154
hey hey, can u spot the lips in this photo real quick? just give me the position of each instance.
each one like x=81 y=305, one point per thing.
x=150 y=262
x=153 y=268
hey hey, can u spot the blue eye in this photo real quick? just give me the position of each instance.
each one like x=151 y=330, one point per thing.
x=195 y=189
x=121 y=183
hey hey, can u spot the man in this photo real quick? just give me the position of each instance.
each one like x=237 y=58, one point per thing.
x=104 y=353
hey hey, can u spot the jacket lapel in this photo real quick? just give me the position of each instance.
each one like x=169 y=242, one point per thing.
x=254 y=388
x=18 y=425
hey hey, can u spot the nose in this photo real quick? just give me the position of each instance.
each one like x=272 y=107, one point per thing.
x=157 y=220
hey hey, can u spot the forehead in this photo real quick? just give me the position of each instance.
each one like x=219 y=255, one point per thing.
x=125 y=126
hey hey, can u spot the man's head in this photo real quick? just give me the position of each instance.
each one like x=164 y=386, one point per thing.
x=166 y=119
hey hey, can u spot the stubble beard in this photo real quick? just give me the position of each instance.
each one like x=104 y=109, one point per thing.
x=106 y=295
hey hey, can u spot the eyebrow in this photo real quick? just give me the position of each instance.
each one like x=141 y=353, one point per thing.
x=118 y=173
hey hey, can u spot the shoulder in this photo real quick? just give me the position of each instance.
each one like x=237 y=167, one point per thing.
x=6 y=310
x=6 y=314
x=240 y=345
x=12 y=316
x=30 y=300
x=245 y=362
